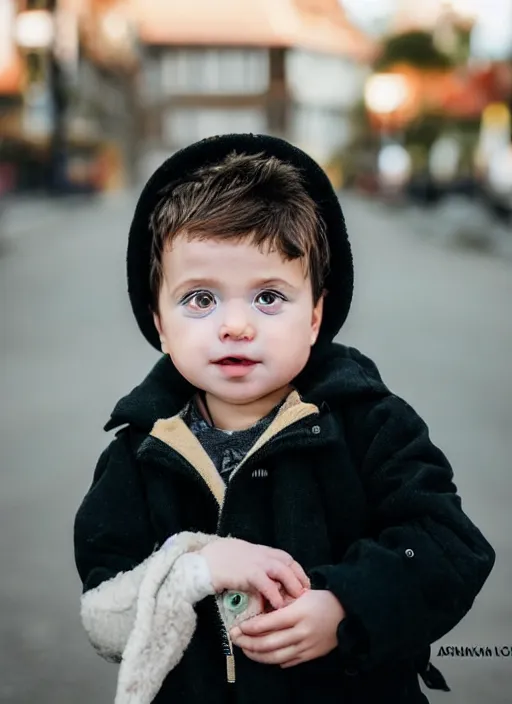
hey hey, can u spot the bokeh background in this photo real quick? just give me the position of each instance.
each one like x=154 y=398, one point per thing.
x=407 y=105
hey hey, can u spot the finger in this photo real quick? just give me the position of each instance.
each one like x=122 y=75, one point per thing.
x=292 y=663
x=270 y=642
x=269 y=589
x=286 y=617
x=288 y=560
x=287 y=577
x=256 y=657
x=277 y=657
x=301 y=575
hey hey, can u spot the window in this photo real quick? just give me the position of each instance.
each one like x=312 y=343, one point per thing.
x=151 y=85
x=320 y=79
x=319 y=130
x=214 y=71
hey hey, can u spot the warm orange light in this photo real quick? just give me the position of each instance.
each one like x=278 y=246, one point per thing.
x=386 y=92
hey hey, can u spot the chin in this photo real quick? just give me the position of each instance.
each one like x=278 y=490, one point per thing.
x=237 y=396
x=241 y=395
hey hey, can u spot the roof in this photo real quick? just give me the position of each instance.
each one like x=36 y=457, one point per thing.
x=318 y=25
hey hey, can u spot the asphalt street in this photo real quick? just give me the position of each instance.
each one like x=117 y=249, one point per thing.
x=437 y=321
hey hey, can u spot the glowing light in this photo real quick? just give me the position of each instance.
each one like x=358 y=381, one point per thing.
x=386 y=92
x=34 y=29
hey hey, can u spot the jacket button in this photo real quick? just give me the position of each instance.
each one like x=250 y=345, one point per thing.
x=350 y=671
x=315 y=429
x=409 y=552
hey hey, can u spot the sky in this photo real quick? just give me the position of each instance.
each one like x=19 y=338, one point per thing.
x=492 y=37
x=371 y=15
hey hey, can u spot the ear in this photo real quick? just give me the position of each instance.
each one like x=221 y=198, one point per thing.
x=316 y=318
x=158 y=325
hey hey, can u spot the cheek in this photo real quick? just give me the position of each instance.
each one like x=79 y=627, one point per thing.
x=189 y=349
x=186 y=338
x=290 y=344
x=294 y=329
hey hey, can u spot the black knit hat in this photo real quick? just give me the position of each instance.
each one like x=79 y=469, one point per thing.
x=177 y=168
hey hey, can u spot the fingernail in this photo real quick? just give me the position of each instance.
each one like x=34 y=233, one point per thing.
x=235 y=633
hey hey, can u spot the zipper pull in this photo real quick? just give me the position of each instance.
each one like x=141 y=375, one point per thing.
x=230 y=668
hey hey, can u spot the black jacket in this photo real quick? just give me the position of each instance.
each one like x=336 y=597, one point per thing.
x=355 y=491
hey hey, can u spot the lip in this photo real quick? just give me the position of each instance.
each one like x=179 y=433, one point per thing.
x=223 y=361
x=236 y=370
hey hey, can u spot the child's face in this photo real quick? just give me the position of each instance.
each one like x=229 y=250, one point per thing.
x=221 y=299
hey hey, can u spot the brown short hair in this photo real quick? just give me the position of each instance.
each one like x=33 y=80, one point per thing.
x=256 y=197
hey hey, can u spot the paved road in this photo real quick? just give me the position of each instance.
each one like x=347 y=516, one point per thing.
x=438 y=322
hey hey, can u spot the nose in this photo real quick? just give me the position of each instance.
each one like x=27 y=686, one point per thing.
x=236 y=325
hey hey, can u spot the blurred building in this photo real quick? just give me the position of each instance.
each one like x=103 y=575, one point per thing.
x=66 y=117
x=293 y=68
x=105 y=96
x=10 y=88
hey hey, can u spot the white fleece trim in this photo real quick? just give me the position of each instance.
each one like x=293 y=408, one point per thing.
x=165 y=620
x=147 y=615
x=108 y=612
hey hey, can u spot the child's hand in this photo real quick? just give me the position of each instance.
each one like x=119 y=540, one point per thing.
x=302 y=631
x=238 y=565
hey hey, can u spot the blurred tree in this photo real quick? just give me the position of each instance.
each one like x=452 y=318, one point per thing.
x=416 y=48
x=428 y=59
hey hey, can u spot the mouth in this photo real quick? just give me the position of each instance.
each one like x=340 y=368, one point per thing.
x=239 y=361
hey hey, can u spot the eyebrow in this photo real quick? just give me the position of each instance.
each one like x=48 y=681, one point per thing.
x=215 y=283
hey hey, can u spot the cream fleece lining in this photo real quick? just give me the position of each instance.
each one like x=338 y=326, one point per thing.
x=175 y=433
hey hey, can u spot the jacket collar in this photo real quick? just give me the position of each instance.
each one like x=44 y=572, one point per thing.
x=162 y=394
x=175 y=433
x=334 y=375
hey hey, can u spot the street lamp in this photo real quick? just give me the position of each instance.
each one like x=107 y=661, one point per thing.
x=35 y=33
x=384 y=95
x=34 y=30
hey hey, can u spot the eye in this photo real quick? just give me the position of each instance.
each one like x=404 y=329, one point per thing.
x=236 y=602
x=270 y=301
x=199 y=301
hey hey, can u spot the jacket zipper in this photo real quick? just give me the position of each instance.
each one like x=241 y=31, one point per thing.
x=226 y=641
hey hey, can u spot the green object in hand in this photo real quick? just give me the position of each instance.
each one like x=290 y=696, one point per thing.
x=235 y=602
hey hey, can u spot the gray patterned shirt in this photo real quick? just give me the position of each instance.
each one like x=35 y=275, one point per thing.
x=226 y=448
